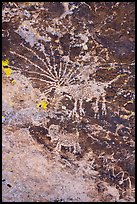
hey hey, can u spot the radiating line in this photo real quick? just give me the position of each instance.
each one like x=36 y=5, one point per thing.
x=33 y=72
x=34 y=53
x=49 y=82
x=21 y=56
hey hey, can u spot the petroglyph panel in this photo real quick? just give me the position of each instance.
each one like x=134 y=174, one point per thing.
x=80 y=57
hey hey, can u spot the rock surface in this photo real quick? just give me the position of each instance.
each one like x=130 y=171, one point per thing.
x=77 y=59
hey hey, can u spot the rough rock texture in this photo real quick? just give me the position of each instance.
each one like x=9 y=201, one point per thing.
x=79 y=57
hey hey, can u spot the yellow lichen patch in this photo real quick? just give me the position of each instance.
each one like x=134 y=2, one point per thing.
x=6 y=68
x=7 y=71
x=13 y=81
x=3 y=118
x=42 y=104
x=5 y=63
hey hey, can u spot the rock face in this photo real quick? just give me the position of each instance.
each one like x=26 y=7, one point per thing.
x=79 y=57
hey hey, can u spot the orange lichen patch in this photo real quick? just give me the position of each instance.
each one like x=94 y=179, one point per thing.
x=42 y=104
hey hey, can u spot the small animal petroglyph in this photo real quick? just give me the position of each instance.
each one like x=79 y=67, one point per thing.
x=64 y=139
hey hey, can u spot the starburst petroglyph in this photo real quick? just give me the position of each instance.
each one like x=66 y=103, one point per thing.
x=70 y=55
x=55 y=69
x=63 y=80
x=66 y=78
